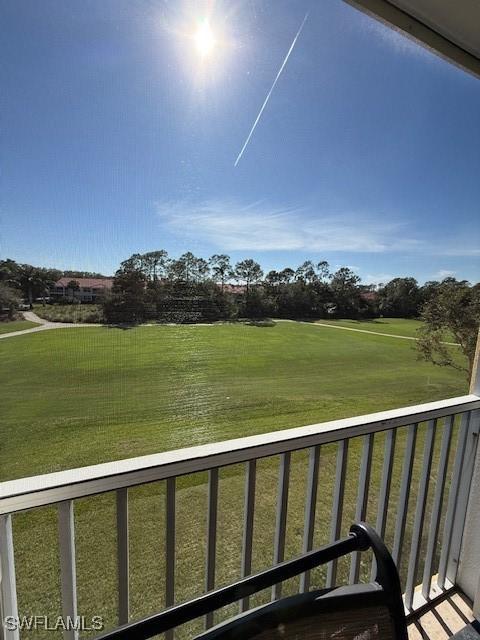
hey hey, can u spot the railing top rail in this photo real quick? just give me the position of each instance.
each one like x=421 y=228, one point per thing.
x=26 y=493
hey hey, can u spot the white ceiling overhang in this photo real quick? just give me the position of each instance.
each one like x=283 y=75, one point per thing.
x=449 y=28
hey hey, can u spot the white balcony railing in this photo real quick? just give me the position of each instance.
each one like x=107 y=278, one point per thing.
x=429 y=552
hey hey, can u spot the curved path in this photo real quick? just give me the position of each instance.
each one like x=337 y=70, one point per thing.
x=43 y=325
x=375 y=333
x=47 y=324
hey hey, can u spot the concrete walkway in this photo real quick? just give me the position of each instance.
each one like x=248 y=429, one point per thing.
x=44 y=325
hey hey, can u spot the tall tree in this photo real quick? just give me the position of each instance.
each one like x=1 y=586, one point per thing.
x=35 y=281
x=453 y=309
x=306 y=272
x=221 y=268
x=400 y=298
x=134 y=263
x=73 y=286
x=427 y=291
x=286 y=275
x=9 y=272
x=273 y=277
x=9 y=299
x=345 y=292
x=154 y=264
x=188 y=268
x=323 y=270
x=126 y=303
x=249 y=272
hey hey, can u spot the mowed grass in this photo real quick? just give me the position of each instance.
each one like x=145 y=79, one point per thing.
x=406 y=327
x=392 y=326
x=72 y=397
x=117 y=393
x=16 y=325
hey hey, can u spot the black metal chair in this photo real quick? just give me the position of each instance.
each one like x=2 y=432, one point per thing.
x=372 y=611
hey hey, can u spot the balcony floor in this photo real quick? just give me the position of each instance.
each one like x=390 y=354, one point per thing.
x=448 y=618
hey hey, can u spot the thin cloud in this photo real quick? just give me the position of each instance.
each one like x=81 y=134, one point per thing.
x=259 y=227
x=377 y=278
x=459 y=252
x=444 y=273
x=352 y=267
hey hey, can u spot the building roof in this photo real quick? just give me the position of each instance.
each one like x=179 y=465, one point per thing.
x=449 y=29
x=234 y=288
x=371 y=296
x=94 y=283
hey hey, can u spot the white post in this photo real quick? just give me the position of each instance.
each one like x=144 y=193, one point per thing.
x=469 y=565
x=68 y=575
x=8 y=590
x=475 y=379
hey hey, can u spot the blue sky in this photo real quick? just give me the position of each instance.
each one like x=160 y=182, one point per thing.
x=119 y=137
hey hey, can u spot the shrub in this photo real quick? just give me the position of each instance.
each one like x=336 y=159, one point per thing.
x=89 y=313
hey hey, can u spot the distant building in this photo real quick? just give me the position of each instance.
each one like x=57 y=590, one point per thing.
x=236 y=289
x=369 y=296
x=90 y=289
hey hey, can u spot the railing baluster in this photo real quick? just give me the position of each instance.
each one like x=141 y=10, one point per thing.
x=170 y=550
x=420 y=513
x=452 y=498
x=23 y=494
x=122 y=556
x=211 y=537
x=404 y=494
x=437 y=506
x=310 y=507
x=8 y=587
x=338 y=495
x=281 y=518
x=362 y=499
x=386 y=483
x=66 y=534
x=463 y=495
x=61 y=489
x=249 y=510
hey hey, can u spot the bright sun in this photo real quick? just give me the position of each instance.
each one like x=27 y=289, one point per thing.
x=204 y=39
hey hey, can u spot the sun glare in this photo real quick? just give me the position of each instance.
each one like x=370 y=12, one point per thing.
x=204 y=39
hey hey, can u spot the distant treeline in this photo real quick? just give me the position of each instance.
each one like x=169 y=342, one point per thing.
x=152 y=286
x=81 y=274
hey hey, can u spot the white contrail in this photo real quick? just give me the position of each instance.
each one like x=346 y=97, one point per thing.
x=271 y=90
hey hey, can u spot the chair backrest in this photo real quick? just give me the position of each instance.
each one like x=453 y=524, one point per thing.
x=358 y=612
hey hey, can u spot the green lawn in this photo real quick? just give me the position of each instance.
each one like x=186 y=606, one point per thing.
x=118 y=393
x=16 y=325
x=72 y=397
x=395 y=326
